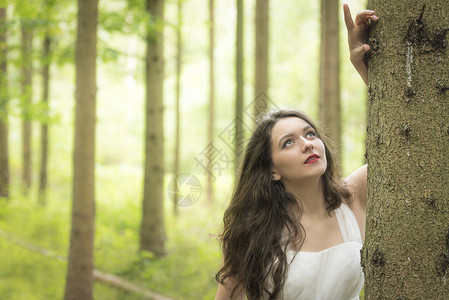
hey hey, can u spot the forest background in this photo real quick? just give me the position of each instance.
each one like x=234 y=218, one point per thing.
x=193 y=254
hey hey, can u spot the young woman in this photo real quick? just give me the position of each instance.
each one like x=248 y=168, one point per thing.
x=292 y=230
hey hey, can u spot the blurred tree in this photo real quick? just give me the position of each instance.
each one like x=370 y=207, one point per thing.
x=211 y=124
x=239 y=134
x=406 y=251
x=79 y=280
x=4 y=153
x=26 y=97
x=329 y=96
x=46 y=60
x=152 y=231
x=177 y=104
x=261 y=57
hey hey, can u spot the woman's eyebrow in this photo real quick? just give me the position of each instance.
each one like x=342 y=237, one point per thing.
x=307 y=128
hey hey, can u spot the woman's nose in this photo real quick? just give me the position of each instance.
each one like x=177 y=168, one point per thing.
x=307 y=145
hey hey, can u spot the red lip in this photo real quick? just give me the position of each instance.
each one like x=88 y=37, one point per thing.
x=311 y=159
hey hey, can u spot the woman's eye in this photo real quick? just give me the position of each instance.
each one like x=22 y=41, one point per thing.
x=287 y=143
x=310 y=134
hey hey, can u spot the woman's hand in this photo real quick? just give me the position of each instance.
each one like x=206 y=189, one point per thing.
x=357 y=38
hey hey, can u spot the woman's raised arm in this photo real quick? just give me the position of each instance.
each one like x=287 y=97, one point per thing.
x=357 y=38
x=357 y=184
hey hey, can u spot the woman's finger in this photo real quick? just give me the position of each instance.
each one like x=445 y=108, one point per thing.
x=364 y=16
x=359 y=52
x=348 y=18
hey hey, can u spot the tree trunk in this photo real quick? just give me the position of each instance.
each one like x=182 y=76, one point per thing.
x=4 y=153
x=329 y=102
x=27 y=75
x=406 y=251
x=79 y=281
x=152 y=231
x=261 y=60
x=177 y=105
x=239 y=87
x=211 y=125
x=44 y=125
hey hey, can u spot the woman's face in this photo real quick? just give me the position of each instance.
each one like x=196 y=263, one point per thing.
x=297 y=153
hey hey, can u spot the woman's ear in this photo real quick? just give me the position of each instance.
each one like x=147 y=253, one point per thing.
x=275 y=176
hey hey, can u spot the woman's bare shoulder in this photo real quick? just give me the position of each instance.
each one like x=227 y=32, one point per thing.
x=356 y=183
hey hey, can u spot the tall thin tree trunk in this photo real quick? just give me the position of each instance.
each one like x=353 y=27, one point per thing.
x=79 y=280
x=239 y=87
x=329 y=102
x=177 y=108
x=261 y=57
x=211 y=125
x=152 y=231
x=44 y=125
x=4 y=153
x=27 y=74
x=406 y=251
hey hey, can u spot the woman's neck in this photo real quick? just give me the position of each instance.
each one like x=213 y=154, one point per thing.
x=311 y=198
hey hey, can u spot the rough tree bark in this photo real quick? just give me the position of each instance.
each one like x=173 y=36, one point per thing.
x=79 y=280
x=406 y=251
x=329 y=95
x=4 y=153
x=152 y=231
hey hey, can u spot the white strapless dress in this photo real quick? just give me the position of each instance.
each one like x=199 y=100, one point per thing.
x=331 y=274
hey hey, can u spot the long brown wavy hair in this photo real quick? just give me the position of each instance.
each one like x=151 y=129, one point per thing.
x=260 y=223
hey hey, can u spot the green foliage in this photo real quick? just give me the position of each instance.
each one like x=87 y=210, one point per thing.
x=107 y=54
x=23 y=272
x=187 y=272
x=115 y=21
x=26 y=275
x=27 y=9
